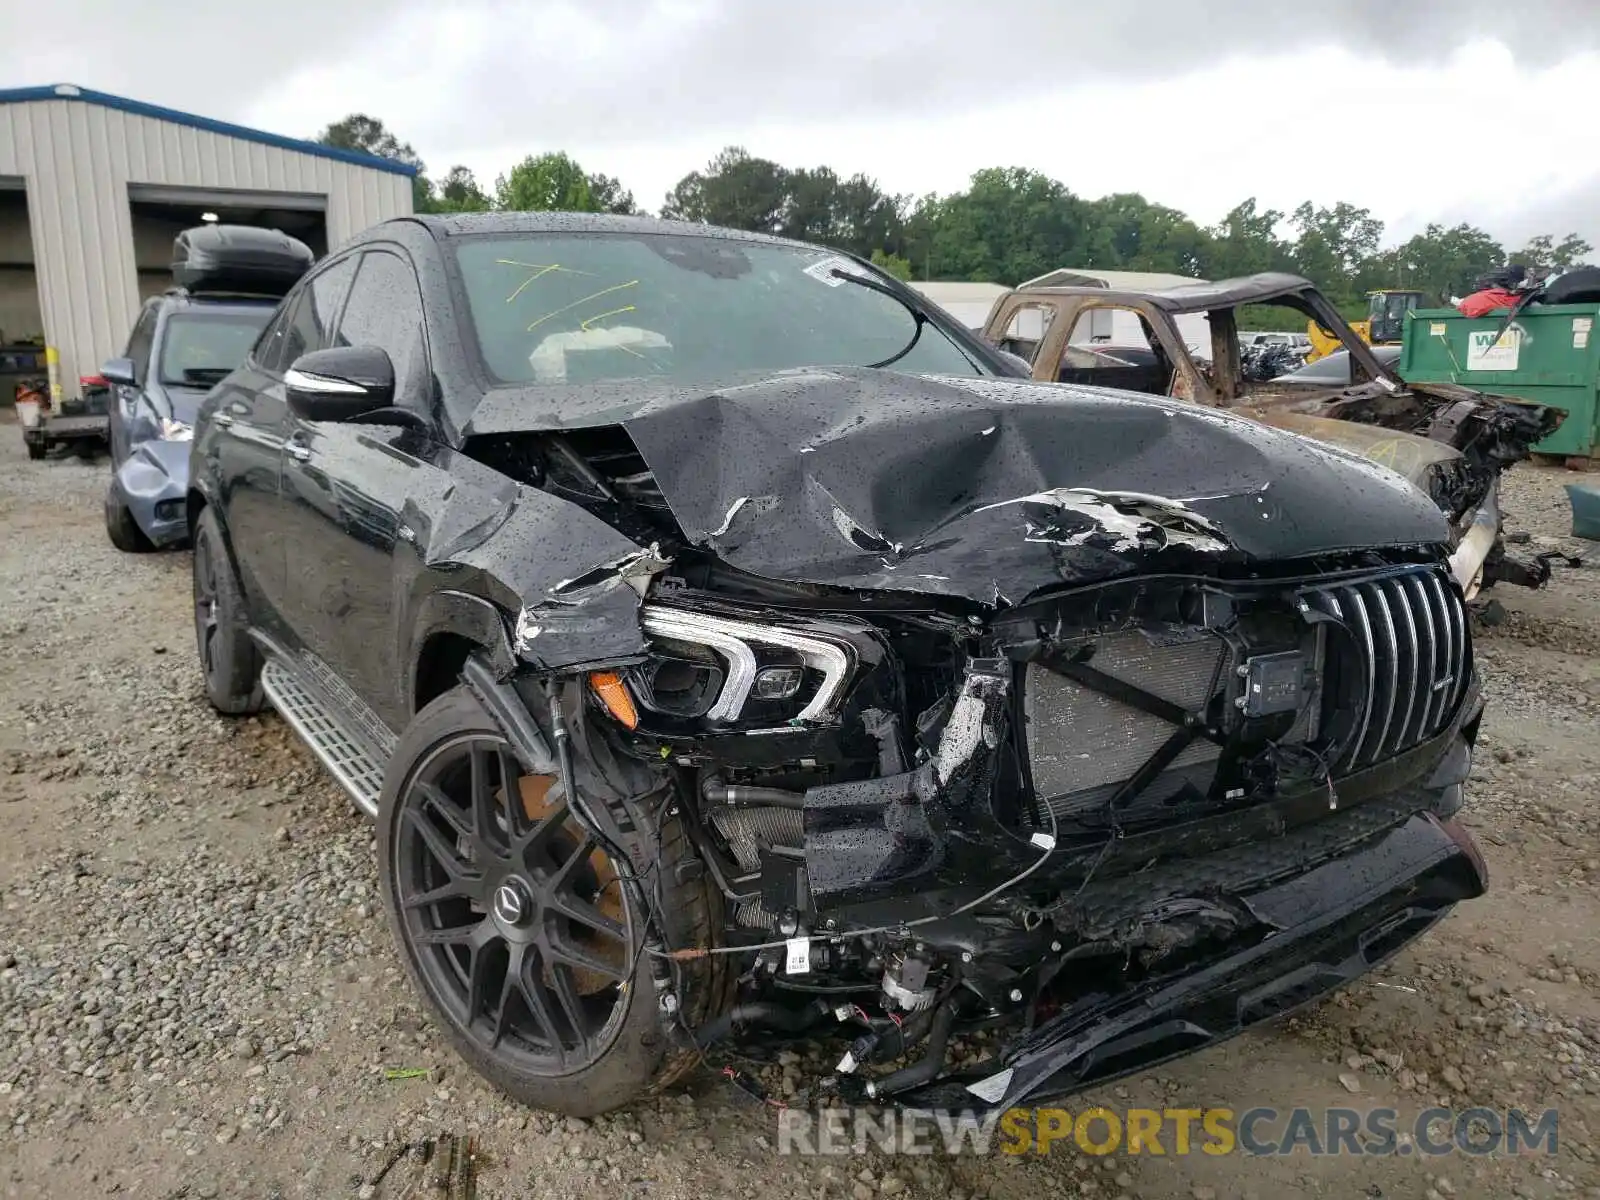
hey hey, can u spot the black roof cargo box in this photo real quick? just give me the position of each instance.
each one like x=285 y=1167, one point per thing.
x=238 y=259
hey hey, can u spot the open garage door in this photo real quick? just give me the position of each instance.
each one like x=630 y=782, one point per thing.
x=21 y=320
x=161 y=212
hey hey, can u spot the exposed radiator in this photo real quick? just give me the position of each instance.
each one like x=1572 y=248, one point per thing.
x=1083 y=745
x=746 y=830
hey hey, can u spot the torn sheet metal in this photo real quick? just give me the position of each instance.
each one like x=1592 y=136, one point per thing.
x=1120 y=521
x=577 y=596
x=873 y=479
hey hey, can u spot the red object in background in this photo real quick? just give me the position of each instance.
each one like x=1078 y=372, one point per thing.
x=91 y=381
x=1481 y=304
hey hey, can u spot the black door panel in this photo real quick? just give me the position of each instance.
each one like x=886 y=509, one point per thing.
x=343 y=488
x=244 y=439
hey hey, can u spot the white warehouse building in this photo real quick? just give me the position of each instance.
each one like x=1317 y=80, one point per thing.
x=93 y=189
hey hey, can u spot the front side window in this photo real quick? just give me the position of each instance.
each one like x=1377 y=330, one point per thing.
x=199 y=348
x=580 y=308
x=385 y=310
x=310 y=323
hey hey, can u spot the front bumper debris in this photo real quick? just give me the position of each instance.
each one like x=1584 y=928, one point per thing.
x=1336 y=923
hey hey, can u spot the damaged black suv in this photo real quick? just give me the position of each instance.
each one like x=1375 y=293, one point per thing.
x=730 y=647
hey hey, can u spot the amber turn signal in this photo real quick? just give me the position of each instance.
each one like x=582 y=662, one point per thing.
x=613 y=694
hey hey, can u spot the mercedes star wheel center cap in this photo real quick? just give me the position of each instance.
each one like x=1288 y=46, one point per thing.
x=511 y=904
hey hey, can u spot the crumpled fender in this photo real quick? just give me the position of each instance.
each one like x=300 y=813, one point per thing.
x=573 y=581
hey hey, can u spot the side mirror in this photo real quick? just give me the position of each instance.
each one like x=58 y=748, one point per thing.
x=339 y=383
x=120 y=371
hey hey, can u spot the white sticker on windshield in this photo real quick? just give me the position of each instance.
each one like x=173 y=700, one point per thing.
x=824 y=269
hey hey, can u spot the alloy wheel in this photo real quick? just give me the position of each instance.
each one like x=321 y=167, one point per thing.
x=205 y=603
x=512 y=912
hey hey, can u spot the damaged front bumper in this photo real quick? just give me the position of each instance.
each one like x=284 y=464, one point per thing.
x=152 y=484
x=1330 y=926
x=1141 y=817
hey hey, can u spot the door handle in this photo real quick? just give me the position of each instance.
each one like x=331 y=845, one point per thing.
x=222 y=419
x=298 y=451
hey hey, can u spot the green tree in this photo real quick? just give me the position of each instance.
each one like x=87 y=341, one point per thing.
x=368 y=135
x=1246 y=242
x=545 y=183
x=734 y=190
x=853 y=214
x=459 y=192
x=1010 y=225
x=899 y=267
x=1137 y=235
x=609 y=196
x=1545 y=251
x=1441 y=262
x=1333 y=244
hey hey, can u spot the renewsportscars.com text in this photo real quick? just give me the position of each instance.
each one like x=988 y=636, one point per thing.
x=1258 y=1131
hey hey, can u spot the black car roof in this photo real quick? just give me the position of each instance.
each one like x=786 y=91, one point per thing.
x=466 y=224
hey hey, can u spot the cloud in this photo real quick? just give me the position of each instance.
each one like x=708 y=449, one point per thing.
x=916 y=94
x=214 y=59
x=636 y=68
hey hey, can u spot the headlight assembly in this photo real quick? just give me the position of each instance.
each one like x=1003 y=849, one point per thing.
x=721 y=665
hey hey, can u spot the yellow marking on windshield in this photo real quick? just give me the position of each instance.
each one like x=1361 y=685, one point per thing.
x=540 y=270
x=602 y=316
x=592 y=296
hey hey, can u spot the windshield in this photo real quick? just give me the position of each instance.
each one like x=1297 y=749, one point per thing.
x=582 y=308
x=200 y=348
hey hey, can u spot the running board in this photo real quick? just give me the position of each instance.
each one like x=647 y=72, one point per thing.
x=347 y=756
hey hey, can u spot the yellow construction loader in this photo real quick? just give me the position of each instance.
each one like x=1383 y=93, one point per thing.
x=1385 y=324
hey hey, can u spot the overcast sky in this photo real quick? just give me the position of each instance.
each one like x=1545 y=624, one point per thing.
x=1450 y=110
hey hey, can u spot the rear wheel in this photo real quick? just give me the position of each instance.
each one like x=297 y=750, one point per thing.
x=516 y=929
x=229 y=660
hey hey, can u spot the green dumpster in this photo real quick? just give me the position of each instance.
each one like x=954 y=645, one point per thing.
x=1549 y=355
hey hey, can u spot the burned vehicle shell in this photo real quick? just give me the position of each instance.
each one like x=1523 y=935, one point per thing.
x=1452 y=442
x=823 y=679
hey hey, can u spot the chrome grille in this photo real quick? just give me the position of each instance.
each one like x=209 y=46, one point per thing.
x=1411 y=654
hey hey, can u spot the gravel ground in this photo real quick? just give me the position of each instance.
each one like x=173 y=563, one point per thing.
x=198 y=997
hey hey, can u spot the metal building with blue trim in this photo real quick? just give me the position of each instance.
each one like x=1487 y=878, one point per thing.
x=94 y=187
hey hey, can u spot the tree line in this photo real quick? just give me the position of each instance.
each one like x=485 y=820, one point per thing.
x=1009 y=224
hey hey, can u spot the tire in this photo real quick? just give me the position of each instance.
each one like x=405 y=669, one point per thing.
x=229 y=660
x=637 y=1057
x=123 y=530
x=36 y=450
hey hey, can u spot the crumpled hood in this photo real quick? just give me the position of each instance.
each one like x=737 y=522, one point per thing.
x=993 y=489
x=185 y=401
